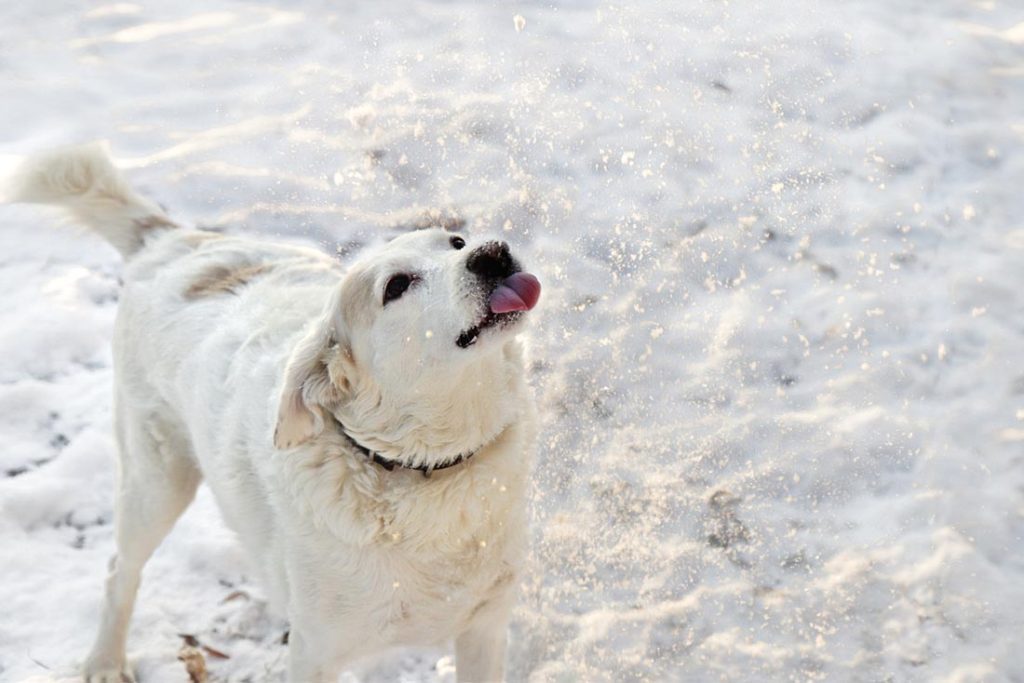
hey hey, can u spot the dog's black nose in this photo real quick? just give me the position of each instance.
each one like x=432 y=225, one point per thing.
x=491 y=260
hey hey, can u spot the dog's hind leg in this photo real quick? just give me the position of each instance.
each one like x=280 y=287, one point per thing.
x=157 y=480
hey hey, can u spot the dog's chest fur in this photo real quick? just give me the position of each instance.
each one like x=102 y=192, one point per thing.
x=402 y=595
x=413 y=559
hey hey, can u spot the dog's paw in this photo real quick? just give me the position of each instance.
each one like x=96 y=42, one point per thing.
x=108 y=675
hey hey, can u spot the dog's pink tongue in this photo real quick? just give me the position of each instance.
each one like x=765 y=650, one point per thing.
x=518 y=292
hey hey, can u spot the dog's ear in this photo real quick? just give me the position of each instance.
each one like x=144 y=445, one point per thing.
x=315 y=379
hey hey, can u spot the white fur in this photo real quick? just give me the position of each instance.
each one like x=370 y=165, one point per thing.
x=84 y=181
x=358 y=558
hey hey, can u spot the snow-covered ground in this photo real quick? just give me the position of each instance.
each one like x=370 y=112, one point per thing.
x=780 y=354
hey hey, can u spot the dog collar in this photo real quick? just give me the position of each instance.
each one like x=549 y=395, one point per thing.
x=390 y=465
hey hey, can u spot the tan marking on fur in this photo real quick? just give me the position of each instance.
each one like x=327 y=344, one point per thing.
x=195 y=238
x=153 y=222
x=224 y=280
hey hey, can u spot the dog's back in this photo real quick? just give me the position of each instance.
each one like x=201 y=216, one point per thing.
x=192 y=299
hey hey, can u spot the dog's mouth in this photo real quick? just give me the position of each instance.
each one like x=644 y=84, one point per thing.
x=506 y=304
x=499 y=320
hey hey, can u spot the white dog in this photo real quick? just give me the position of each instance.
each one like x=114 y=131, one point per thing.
x=365 y=432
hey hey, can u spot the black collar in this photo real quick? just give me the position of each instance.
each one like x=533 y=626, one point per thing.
x=390 y=465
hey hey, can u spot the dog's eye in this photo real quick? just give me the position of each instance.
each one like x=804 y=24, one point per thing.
x=457 y=242
x=396 y=287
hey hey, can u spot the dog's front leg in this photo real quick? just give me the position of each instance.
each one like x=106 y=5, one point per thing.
x=309 y=664
x=480 y=651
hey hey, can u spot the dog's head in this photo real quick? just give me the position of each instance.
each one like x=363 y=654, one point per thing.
x=415 y=348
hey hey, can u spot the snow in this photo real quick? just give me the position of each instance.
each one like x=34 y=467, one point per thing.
x=780 y=350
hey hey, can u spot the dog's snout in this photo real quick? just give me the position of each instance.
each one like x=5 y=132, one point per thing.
x=491 y=260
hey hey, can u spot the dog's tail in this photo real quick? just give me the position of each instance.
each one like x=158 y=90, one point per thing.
x=84 y=181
